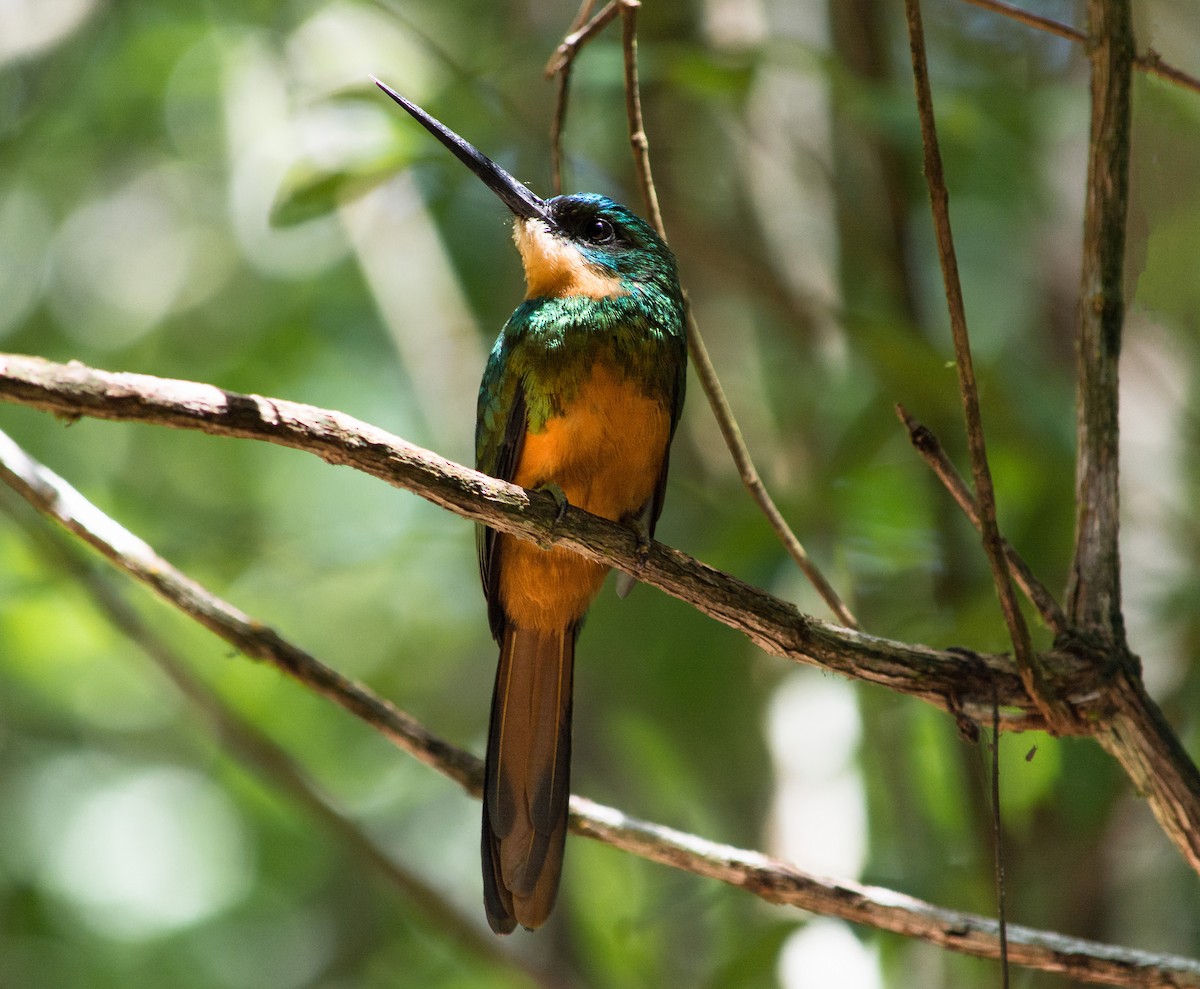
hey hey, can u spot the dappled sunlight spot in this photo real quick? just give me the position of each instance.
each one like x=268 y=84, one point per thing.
x=422 y=304
x=825 y=953
x=1157 y=413
x=263 y=136
x=25 y=232
x=818 y=819
x=28 y=27
x=123 y=262
x=284 y=950
x=343 y=41
x=138 y=852
x=736 y=23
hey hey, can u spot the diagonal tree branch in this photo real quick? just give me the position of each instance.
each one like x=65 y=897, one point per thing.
x=768 y=878
x=934 y=454
x=955 y=680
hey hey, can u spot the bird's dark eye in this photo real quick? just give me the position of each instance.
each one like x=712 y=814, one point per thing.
x=598 y=231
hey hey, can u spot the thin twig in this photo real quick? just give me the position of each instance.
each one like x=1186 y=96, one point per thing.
x=560 y=70
x=1039 y=21
x=578 y=37
x=1057 y=713
x=998 y=846
x=1150 y=63
x=638 y=141
x=557 y=124
x=701 y=362
x=732 y=434
x=931 y=450
x=768 y=878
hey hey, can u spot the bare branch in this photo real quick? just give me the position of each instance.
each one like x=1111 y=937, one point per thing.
x=931 y=450
x=779 y=882
x=955 y=680
x=580 y=36
x=559 y=69
x=1139 y=736
x=768 y=878
x=1038 y=21
x=638 y=141
x=1094 y=587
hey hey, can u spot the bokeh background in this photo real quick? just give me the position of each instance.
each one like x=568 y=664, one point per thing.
x=213 y=191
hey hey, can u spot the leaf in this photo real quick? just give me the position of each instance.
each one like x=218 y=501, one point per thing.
x=310 y=190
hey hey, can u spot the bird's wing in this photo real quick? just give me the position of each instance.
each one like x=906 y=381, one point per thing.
x=499 y=437
x=647 y=517
x=655 y=506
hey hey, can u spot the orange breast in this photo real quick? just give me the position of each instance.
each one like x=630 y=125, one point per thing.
x=605 y=452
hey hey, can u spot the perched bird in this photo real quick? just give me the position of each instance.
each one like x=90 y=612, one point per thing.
x=581 y=395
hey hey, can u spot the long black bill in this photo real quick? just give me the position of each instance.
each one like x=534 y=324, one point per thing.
x=515 y=195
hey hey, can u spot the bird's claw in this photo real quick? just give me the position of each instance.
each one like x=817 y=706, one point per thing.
x=642 y=550
x=560 y=499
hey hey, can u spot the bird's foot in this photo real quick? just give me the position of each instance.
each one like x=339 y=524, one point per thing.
x=626 y=581
x=643 y=543
x=560 y=499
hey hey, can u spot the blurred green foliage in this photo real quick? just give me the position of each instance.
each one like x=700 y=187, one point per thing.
x=213 y=191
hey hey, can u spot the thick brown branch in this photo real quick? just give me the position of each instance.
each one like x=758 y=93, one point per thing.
x=952 y=679
x=770 y=879
x=779 y=882
x=1140 y=738
x=1093 y=599
x=775 y=625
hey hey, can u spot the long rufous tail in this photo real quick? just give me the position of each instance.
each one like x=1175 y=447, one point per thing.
x=527 y=776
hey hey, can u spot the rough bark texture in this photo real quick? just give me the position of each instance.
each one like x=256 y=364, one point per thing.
x=1093 y=599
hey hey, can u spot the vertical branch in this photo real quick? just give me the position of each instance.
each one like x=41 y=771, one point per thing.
x=556 y=127
x=998 y=845
x=560 y=67
x=633 y=106
x=1093 y=598
x=1032 y=675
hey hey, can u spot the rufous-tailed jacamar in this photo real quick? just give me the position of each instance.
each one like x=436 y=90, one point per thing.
x=581 y=394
